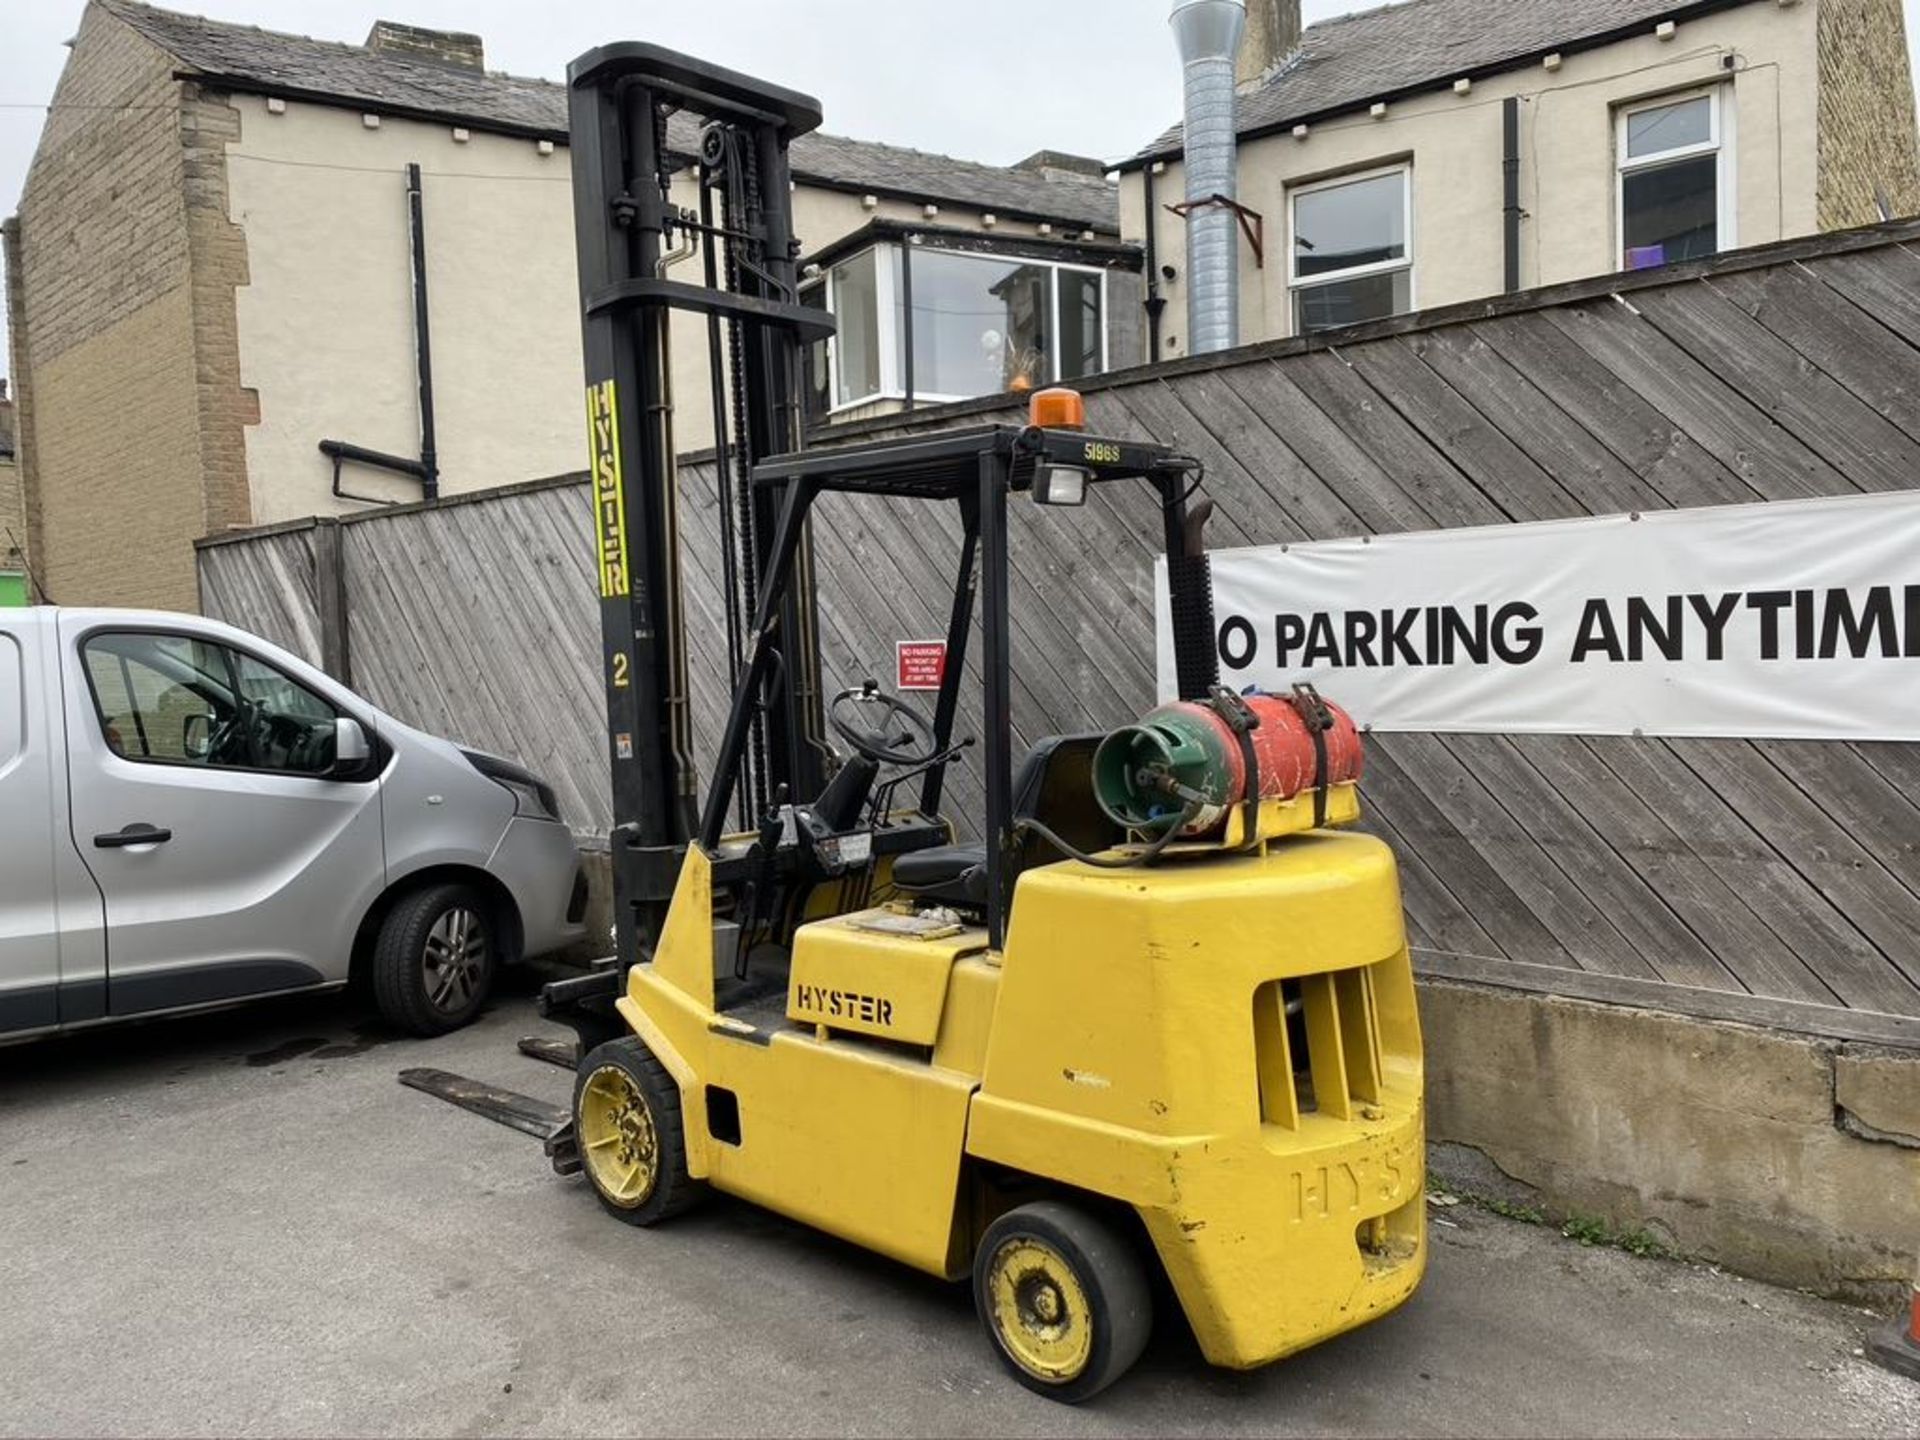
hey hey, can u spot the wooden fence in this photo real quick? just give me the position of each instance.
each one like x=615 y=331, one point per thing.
x=1770 y=881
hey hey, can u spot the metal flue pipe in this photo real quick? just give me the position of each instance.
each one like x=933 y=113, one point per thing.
x=1208 y=33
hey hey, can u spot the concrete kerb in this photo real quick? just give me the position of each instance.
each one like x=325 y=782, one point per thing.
x=1725 y=1143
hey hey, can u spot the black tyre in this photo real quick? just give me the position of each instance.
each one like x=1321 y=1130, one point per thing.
x=633 y=1146
x=435 y=958
x=1064 y=1297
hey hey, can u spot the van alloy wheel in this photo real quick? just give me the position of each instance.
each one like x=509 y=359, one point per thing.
x=434 y=958
x=454 y=959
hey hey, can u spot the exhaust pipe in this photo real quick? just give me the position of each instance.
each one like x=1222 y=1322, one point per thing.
x=1208 y=33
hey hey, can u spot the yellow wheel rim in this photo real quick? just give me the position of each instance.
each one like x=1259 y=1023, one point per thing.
x=617 y=1137
x=1039 y=1311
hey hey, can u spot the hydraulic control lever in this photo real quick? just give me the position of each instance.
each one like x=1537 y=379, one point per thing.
x=882 y=803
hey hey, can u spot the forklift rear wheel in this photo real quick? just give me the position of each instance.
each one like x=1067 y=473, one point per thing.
x=626 y=1117
x=1064 y=1297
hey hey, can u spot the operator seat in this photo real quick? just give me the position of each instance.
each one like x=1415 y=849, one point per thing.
x=1054 y=786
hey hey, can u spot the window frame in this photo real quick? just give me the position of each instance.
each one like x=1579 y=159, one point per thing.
x=363 y=775
x=1720 y=145
x=1296 y=282
x=1106 y=336
x=896 y=324
x=823 y=282
x=886 y=299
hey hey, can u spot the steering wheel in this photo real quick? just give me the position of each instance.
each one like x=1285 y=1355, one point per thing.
x=226 y=737
x=883 y=727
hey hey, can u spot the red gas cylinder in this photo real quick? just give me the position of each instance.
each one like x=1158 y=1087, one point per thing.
x=1146 y=775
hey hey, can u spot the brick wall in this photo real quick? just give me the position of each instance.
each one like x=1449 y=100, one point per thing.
x=119 y=459
x=102 y=297
x=1868 y=143
x=16 y=482
x=218 y=247
x=101 y=219
x=13 y=516
x=13 y=504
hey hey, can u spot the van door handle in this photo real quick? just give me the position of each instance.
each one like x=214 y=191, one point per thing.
x=138 y=833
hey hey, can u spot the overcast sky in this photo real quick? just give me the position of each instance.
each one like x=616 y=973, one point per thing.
x=989 y=80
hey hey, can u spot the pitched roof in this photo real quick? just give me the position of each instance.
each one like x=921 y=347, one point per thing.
x=250 y=59
x=1351 y=61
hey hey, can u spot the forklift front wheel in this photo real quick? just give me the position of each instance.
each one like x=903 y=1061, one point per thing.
x=1064 y=1298
x=626 y=1117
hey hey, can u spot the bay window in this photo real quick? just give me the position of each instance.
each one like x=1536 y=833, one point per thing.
x=1351 y=259
x=930 y=324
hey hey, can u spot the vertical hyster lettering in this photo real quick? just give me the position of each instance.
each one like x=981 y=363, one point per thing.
x=609 y=499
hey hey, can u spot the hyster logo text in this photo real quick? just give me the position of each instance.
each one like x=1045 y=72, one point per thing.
x=844 y=1005
x=609 y=500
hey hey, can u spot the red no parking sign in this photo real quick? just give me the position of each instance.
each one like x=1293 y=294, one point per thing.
x=920 y=664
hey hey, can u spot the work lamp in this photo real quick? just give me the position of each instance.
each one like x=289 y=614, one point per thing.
x=1059 y=485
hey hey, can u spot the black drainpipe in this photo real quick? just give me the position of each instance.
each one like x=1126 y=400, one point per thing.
x=422 y=338
x=1511 y=127
x=427 y=468
x=1155 y=302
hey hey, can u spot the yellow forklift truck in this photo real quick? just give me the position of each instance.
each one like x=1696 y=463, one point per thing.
x=1160 y=1017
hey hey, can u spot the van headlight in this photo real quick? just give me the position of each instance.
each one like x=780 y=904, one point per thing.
x=532 y=796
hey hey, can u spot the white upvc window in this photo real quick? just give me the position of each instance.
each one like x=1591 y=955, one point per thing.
x=858 y=365
x=1350 y=251
x=1675 y=192
x=979 y=323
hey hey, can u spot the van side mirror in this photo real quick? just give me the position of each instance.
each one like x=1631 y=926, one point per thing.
x=351 y=748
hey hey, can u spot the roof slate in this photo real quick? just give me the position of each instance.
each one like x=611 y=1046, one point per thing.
x=1349 y=61
x=244 y=55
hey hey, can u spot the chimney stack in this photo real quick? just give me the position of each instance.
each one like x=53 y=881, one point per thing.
x=453 y=48
x=1273 y=33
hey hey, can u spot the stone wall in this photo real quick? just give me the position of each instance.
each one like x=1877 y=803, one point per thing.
x=123 y=266
x=18 y=419
x=1869 y=149
x=13 y=503
x=104 y=346
x=208 y=124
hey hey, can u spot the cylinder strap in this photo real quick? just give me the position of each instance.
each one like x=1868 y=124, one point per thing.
x=1318 y=719
x=1239 y=717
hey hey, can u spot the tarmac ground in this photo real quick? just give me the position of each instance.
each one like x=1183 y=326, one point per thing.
x=239 y=1223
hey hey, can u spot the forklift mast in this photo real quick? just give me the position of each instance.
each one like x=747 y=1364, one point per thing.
x=640 y=119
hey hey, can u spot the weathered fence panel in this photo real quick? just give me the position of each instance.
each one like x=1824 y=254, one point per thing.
x=267 y=584
x=1755 y=879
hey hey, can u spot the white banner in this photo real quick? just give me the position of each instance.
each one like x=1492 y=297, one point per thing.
x=1798 y=620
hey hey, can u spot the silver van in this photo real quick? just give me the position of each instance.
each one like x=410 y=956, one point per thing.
x=190 y=816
